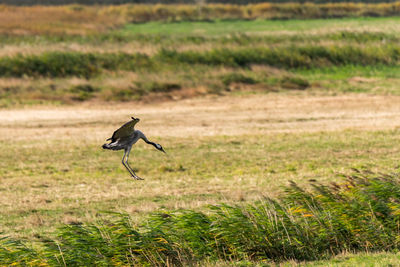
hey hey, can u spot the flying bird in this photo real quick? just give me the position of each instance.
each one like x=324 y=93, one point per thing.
x=124 y=138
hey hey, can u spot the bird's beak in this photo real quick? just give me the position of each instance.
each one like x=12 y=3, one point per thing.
x=162 y=149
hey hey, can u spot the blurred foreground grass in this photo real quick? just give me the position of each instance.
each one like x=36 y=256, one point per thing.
x=358 y=213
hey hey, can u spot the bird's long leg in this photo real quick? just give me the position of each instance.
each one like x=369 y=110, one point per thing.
x=123 y=163
x=127 y=163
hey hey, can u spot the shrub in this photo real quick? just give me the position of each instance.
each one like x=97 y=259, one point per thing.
x=49 y=64
x=230 y=78
x=83 y=92
x=157 y=87
x=62 y=64
x=294 y=83
x=287 y=57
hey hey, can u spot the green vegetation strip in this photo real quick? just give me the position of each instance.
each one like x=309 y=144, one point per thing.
x=359 y=214
x=63 y=64
x=235 y=32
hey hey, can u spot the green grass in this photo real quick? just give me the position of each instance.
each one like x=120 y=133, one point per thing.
x=254 y=26
x=346 y=72
x=362 y=259
x=376 y=79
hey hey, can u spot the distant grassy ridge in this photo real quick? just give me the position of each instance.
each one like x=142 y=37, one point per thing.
x=64 y=64
x=359 y=214
x=83 y=20
x=259 y=11
x=132 y=63
x=119 y=2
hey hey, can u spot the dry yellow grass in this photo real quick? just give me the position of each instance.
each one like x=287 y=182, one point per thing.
x=36 y=49
x=55 y=20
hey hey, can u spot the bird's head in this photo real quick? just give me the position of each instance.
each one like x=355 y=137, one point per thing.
x=136 y=119
x=159 y=147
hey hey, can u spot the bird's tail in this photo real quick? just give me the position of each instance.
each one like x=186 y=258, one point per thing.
x=111 y=146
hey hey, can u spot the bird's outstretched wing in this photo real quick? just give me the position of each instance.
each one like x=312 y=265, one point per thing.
x=125 y=130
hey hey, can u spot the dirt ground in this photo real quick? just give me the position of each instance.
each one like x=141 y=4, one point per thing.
x=228 y=115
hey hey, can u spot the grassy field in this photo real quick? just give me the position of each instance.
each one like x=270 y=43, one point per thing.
x=294 y=26
x=322 y=100
x=179 y=60
x=232 y=149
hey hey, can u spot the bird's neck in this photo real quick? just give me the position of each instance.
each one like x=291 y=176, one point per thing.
x=140 y=135
x=144 y=138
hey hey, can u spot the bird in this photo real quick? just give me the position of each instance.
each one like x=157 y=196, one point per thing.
x=124 y=138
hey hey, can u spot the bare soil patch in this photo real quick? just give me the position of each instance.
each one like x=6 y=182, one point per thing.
x=207 y=116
